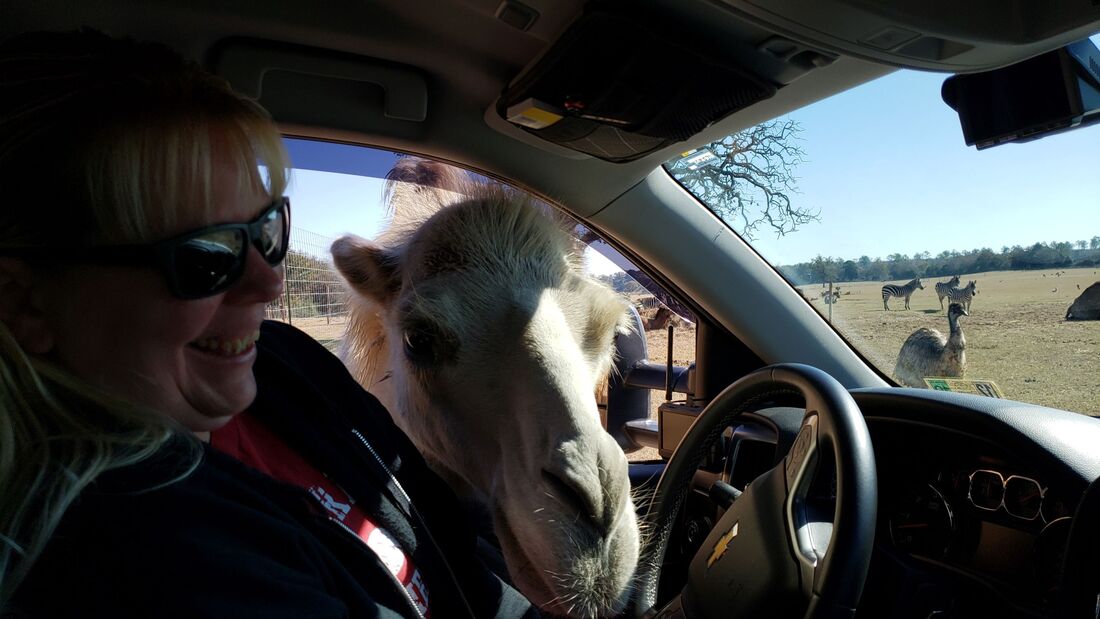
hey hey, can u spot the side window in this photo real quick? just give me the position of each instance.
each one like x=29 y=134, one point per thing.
x=313 y=299
x=337 y=189
x=657 y=309
x=662 y=317
x=334 y=189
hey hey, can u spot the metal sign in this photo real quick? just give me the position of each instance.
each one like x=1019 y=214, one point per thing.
x=987 y=388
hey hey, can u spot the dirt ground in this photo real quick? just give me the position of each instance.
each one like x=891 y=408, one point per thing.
x=327 y=330
x=683 y=345
x=1016 y=334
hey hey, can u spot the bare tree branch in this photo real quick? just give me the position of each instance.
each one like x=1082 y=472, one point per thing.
x=751 y=184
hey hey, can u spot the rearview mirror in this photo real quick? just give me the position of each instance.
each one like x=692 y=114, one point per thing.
x=1054 y=92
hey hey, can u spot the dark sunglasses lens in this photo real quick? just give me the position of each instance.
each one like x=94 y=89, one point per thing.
x=208 y=263
x=273 y=235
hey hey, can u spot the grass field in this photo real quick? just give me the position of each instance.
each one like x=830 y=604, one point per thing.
x=1016 y=334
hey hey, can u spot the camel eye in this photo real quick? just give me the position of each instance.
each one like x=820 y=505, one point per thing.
x=420 y=345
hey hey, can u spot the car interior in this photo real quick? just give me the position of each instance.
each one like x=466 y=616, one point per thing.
x=889 y=501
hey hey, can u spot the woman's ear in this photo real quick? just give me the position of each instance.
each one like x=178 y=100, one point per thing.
x=20 y=307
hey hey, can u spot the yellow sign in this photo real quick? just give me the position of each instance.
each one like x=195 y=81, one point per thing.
x=987 y=388
x=533 y=113
x=723 y=545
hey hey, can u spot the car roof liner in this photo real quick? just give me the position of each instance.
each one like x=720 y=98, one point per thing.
x=364 y=93
x=625 y=80
x=917 y=34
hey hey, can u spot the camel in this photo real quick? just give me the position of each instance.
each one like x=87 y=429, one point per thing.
x=1087 y=305
x=473 y=323
x=660 y=320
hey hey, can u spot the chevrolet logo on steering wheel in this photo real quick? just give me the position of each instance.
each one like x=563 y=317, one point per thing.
x=723 y=545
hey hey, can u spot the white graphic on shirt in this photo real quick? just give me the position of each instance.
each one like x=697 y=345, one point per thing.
x=387 y=550
x=384 y=546
x=336 y=508
x=395 y=561
x=418 y=592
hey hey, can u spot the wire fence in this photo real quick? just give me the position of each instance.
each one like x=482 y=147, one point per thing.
x=314 y=298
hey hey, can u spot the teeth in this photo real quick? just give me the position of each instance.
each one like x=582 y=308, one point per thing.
x=229 y=347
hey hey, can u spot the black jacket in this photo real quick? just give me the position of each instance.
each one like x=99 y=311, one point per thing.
x=228 y=541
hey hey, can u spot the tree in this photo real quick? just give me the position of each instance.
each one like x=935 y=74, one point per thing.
x=1064 y=251
x=878 y=271
x=849 y=271
x=621 y=282
x=312 y=286
x=824 y=269
x=1094 y=242
x=1082 y=244
x=751 y=183
x=986 y=260
x=901 y=267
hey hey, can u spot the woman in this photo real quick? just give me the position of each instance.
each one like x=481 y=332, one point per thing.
x=163 y=452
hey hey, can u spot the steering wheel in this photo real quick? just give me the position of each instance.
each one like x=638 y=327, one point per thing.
x=775 y=552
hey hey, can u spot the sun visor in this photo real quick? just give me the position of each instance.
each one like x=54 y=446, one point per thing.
x=617 y=87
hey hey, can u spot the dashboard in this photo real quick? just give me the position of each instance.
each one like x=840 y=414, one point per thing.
x=1002 y=526
x=976 y=499
x=966 y=527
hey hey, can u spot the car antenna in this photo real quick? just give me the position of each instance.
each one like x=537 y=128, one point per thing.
x=668 y=367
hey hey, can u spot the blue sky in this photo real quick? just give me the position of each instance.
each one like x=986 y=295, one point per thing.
x=344 y=198
x=886 y=166
x=890 y=173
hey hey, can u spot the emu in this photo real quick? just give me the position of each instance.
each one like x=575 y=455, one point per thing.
x=926 y=352
x=963 y=295
x=944 y=288
x=893 y=290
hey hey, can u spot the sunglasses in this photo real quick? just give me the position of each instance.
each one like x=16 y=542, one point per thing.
x=195 y=264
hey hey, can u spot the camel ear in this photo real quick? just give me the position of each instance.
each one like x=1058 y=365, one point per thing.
x=368 y=268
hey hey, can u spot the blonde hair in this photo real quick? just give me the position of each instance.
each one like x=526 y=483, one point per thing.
x=102 y=140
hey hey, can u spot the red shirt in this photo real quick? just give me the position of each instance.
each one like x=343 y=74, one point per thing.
x=248 y=440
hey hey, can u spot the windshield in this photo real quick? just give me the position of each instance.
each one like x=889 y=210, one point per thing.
x=872 y=206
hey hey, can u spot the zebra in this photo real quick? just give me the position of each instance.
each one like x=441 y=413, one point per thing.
x=945 y=288
x=893 y=290
x=963 y=296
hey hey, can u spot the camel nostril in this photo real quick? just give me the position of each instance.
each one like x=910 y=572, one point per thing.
x=586 y=505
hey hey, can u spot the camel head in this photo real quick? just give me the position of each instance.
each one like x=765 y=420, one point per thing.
x=493 y=346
